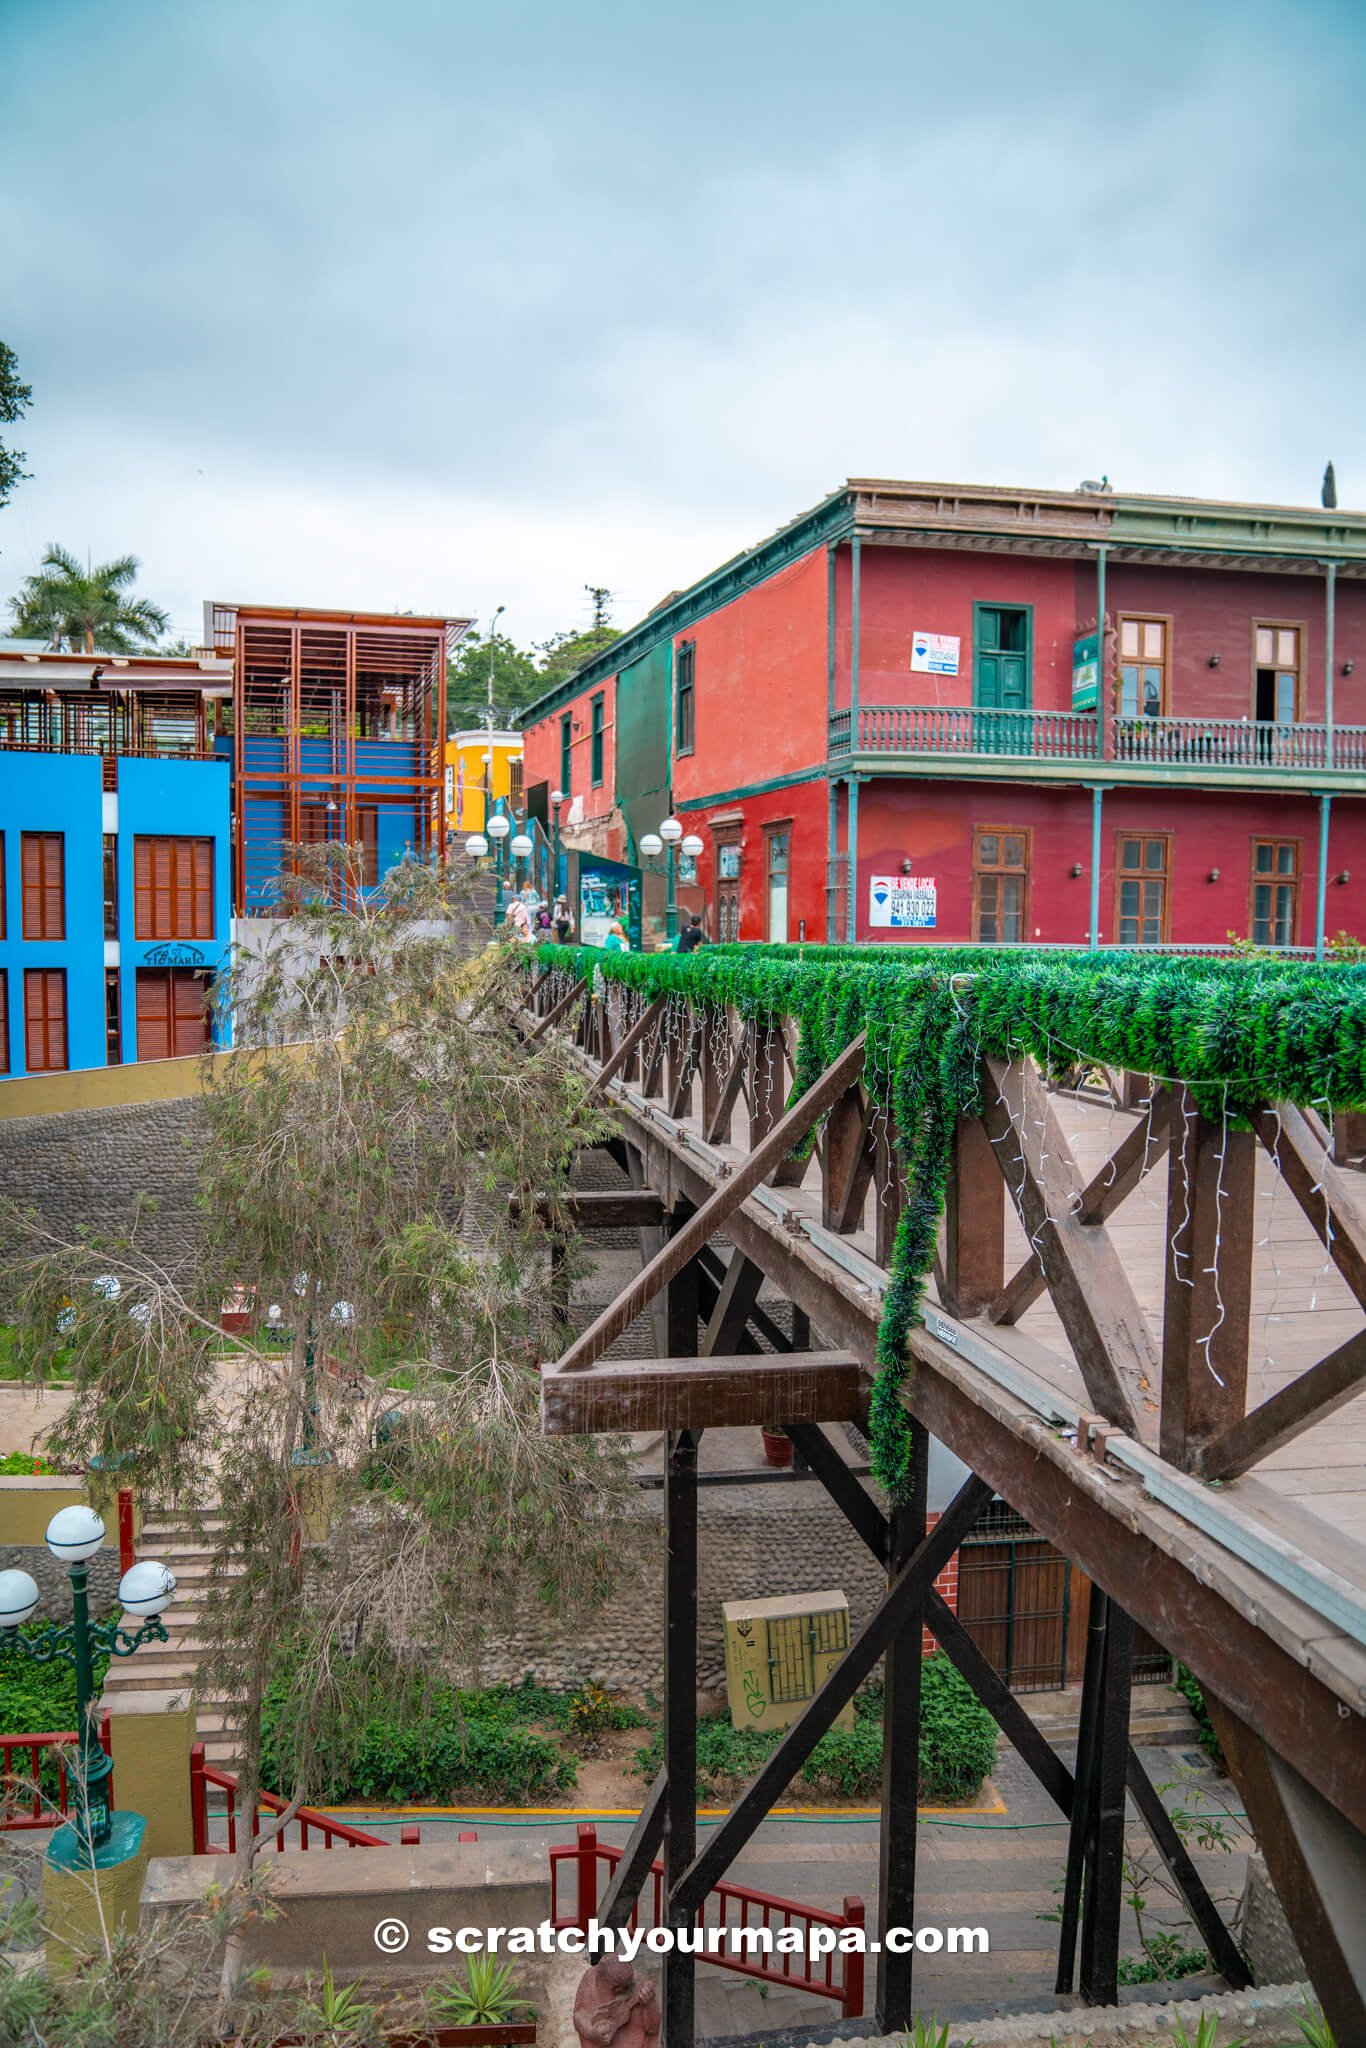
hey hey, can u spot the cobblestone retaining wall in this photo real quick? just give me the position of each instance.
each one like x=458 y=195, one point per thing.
x=753 y=1542
x=54 y=1581
x=86 y=1168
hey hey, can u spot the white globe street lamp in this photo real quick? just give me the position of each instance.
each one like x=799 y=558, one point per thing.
x=18 y=1598
x=671 y=831
x=147 y=1588
x=651 y=844
x=75 y=1533
x=691 y=845
x=476 y=846
x=520 y=846
x=498 y=827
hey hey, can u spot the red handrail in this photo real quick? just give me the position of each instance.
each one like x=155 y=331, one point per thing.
x=733 y=1904
x=127 y=1551
x=34 y=1809
x=308 y=1819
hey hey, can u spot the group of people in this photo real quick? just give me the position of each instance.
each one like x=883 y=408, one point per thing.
x=689 y=938
x=531 y=919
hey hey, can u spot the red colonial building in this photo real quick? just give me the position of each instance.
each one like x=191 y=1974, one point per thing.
x=929 y=712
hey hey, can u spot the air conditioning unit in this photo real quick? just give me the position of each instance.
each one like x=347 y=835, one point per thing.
x=778 y=1653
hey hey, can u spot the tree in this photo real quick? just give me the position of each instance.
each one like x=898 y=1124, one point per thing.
x=91 y=610
x=358 y=1152
x=515 y=681
x=15 y=399
x=563 y=653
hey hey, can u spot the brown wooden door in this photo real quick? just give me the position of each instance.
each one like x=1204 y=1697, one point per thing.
x=172 y=1016
x=1015 y=1600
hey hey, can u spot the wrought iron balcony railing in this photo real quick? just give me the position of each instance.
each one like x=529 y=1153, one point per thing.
x=1040 y=735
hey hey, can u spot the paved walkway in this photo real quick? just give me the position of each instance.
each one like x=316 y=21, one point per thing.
x=997 y=1871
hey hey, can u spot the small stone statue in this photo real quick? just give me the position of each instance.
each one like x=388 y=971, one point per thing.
x=616 y=2008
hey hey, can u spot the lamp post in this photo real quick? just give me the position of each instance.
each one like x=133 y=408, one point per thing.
x=557 y=800
x=521 y=846
x=498 y=828
x=671 y=832
x=493 y=634
x=73 y=1536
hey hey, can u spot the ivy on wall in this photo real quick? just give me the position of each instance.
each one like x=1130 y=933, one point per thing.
x=1240 y=1033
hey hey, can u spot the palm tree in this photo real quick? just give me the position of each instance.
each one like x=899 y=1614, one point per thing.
x=92 y=610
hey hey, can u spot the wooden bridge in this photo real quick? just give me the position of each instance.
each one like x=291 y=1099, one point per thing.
x=1143 y=1330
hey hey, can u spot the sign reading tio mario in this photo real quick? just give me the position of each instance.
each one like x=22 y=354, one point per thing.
x=902 y=902
x=934 y=654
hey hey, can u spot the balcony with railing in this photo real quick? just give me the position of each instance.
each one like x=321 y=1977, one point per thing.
x=165 y=725
x=893 y=731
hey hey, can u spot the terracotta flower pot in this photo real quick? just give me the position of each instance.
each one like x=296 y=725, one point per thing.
x=777 y=1447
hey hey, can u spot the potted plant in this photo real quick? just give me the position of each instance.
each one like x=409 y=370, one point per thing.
x=777 y=1446
x=481 y=2010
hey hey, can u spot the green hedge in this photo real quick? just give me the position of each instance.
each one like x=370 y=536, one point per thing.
x=463 y=1746
x=957 y=1747
x=1241 y=1032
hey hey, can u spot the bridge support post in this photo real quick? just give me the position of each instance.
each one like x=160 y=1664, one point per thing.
x=680 y=1720
x=901 y=1755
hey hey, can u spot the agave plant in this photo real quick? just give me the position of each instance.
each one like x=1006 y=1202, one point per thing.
x=1206 y=2034
x=486 y=1997
x=338 y=2012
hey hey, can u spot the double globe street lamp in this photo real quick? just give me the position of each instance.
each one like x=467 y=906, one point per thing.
x=145 y=1591
x=671 y=835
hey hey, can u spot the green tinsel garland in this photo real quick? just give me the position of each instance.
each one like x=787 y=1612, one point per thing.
x=1240 y=1032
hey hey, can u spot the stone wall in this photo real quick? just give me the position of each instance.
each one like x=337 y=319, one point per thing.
x=86 y=1168
x=753 y=1542
x=54 y=1581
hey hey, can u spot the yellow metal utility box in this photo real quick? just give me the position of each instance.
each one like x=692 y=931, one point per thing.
x=778 y=1653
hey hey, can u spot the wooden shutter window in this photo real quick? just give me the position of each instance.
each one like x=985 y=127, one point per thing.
x=44 y=891
x=45 y=1020
x=4 y=1022
x=3 y=933
x=202 y=912
x=173 y=888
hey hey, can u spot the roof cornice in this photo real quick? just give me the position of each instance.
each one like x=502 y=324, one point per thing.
x=831 y=520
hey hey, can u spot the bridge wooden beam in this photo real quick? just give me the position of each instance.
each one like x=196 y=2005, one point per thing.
x=717 y=1392
x=618 y=1316
x=1089 y=1286
x=596 y=1209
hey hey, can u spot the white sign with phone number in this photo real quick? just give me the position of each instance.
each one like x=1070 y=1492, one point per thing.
x=902 y=902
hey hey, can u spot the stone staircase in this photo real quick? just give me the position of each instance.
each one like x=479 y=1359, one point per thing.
x=186 y=1548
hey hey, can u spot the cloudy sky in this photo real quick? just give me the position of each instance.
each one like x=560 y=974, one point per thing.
x=443 y=305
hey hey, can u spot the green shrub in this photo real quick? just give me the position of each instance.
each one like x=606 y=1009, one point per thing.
x=462 y=1746
x=40 y=1699
x=726 y=1756
x=847 y=1763
x=957 y=1734
x=957 y=1746
x=1188 y=1685
x=22 y=1464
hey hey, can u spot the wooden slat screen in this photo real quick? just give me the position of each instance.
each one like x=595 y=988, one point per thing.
x=45 y=1020
x=4 y=1022
x=44 y=888
x=173 y=888
x=3 y=889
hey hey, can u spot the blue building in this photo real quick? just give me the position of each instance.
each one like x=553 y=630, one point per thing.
x=115 y=857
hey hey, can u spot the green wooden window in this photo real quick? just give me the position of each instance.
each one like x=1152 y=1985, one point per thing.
x=685 y=700
x=599 y=722
x=566 y=753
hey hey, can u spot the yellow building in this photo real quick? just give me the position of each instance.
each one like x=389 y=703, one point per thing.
x=470 y=757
